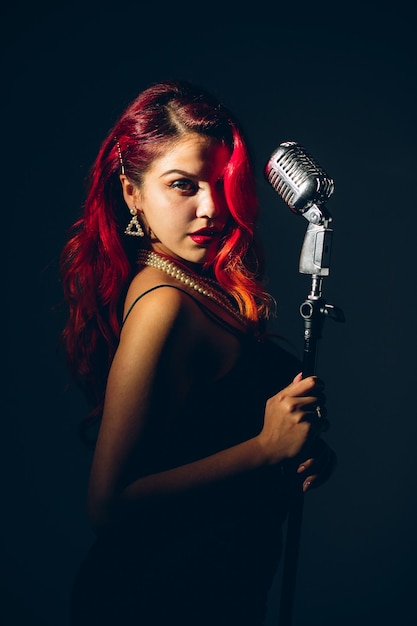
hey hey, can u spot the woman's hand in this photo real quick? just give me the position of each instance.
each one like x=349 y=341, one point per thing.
x=292 y=419
x=315 y=470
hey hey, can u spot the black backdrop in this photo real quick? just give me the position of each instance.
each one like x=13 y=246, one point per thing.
x=340 y=79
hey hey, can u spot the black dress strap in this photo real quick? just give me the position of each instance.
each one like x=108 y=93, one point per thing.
x=139 y=298
x=215 y=318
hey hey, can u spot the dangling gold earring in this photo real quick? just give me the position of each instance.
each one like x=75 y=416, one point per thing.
x=134 y=228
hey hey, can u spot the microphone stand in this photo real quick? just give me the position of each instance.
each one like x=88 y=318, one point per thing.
x=315 y=261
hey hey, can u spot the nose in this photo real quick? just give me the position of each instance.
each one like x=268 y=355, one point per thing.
x=208 y=204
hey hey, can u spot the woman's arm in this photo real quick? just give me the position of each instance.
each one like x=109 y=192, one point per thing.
x=161 y=341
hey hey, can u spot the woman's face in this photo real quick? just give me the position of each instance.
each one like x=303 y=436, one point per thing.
x=181 y=200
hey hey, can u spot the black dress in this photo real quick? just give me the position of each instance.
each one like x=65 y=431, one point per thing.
x=208 y=557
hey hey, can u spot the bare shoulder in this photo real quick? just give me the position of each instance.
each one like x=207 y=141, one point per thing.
x=164 y=329
x=163 y=319
x=151 y=303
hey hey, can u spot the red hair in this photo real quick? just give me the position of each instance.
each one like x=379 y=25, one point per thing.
x=98 y=261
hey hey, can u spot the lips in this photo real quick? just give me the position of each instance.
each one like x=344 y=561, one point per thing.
x=204 y=237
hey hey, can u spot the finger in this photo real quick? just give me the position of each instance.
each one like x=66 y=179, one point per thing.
x=320 y=408
x=321 y=473
x=305 y=465
x=317 y=465
x=317 y=418
x=320 y=455
x=304 y=385
x=322 y=424
x=309 y=483
x=313 y=412
x=297 y=378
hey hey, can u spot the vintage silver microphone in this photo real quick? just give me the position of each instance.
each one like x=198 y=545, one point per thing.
x=305 y=187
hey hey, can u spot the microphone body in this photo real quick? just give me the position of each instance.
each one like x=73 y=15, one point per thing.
x=305 y=187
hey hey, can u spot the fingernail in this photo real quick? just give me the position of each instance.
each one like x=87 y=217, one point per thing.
x=306 y=485
x=301 y=469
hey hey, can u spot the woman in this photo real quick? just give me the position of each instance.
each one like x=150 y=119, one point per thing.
x=203 y=422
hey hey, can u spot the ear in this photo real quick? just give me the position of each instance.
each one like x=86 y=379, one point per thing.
x=130 y=192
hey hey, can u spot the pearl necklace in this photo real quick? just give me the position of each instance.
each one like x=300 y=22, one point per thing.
x=205 y=286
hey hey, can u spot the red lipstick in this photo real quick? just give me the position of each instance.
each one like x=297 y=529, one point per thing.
x=204 y=236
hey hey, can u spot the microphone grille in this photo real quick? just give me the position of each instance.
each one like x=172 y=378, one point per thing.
x=297 y=177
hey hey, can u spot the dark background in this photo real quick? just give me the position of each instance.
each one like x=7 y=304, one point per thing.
x=340 y=79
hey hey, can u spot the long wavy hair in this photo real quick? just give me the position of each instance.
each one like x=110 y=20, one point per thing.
x=98 y=261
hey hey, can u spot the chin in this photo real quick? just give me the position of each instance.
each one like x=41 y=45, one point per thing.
x=199 y=257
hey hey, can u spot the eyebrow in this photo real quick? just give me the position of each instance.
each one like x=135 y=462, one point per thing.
x=182 y=172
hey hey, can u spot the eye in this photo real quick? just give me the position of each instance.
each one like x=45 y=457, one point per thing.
x=185 y=186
